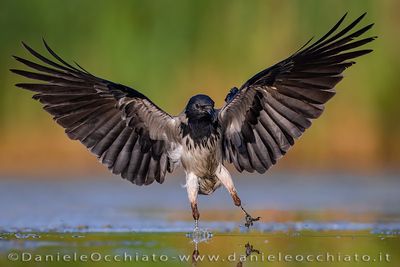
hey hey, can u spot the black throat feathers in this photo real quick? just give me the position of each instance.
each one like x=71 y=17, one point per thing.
x=201 y=131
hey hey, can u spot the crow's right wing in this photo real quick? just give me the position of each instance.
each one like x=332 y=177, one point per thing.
x=121 y=126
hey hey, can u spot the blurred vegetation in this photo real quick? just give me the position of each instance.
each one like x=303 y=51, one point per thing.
x=171 y=50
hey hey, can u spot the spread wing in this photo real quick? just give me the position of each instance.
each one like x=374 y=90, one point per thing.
x=272 y=109
x=121 y=126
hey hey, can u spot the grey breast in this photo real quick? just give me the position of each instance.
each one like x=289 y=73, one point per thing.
x=202 y=159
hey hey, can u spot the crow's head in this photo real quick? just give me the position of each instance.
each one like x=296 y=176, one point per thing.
x=200 y=107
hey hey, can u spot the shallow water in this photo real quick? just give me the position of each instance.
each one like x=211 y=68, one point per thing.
x=334 y=215
x=332 y=248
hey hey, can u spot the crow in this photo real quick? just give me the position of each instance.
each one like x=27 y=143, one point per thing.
x=257 y=125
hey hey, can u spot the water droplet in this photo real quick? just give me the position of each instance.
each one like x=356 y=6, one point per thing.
x=199 y=235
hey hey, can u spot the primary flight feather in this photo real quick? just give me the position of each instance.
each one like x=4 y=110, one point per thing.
x=258 y=124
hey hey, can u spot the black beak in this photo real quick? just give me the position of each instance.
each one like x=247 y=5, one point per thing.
x=211 y=113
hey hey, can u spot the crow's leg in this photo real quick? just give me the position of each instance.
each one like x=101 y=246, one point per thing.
x=196 y=215
x=192 y=187
x=226 y=179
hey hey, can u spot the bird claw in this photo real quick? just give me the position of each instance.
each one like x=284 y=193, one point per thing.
x=249 y=219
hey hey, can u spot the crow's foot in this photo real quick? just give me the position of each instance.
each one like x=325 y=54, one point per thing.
x=248 y=218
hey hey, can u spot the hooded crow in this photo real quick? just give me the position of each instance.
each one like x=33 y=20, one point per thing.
x=258 y=124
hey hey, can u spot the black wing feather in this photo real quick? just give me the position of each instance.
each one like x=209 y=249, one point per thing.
x=118 y=124
x=274 y=107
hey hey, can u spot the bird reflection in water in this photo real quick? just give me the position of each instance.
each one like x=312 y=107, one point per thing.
x=249 y=251
x=198 y=236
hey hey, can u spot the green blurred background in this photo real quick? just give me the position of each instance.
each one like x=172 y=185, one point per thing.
x=171 y=50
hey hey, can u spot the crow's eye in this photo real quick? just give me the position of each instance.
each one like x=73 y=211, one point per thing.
x=197 y=106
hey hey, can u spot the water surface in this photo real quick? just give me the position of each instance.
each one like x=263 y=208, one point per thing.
x=337 y=215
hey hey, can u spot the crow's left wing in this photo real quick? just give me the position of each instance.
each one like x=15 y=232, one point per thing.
x=261 y=120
